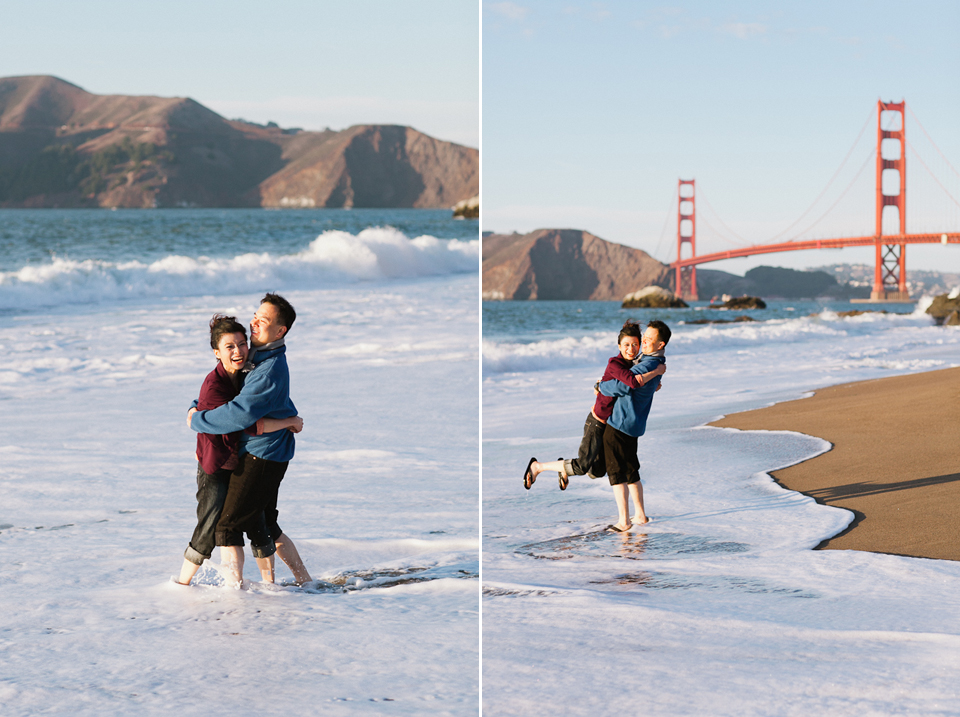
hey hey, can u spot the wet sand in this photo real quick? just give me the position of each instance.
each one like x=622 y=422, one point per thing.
x=895 y=460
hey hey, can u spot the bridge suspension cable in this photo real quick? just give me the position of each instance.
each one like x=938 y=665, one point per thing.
x=842 y=195
x=922 y=129
x=930 y=172
x=863 y=129
x=742 y=242
x=663 y=232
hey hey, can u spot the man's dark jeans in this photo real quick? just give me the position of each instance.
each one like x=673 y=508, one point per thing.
x=211 y=492
x=252 y=484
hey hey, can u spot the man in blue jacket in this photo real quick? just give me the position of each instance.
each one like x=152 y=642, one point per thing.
x=628 y=422
x=251 y=502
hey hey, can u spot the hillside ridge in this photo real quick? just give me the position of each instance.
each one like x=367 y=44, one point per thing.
x=63 y=146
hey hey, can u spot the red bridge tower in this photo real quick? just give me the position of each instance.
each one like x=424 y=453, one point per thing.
x=890 y=272
x=685 y=285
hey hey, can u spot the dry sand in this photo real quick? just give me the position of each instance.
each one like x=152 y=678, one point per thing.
x=895 y=460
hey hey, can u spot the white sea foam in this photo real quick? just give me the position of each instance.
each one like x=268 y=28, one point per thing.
x=334 y=258
x=97 y=505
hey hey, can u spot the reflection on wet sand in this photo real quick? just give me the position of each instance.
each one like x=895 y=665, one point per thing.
x=636 y=546
x=632 y=546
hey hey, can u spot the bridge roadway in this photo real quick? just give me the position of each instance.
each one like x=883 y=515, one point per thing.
x=886 y=239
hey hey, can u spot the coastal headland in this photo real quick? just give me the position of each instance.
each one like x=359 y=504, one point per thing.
x=564 y=264
x=61 y=146
x=894 y=461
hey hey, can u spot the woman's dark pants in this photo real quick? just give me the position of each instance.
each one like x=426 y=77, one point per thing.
x=590 y=460
x=211 y=492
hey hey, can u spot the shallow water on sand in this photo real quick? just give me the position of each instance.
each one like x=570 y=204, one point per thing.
x=99 y=481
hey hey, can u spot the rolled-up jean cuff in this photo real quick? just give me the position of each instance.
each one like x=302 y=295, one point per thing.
x=231 y=539
x=568 y=467
x=263 y=551
x=193 y=556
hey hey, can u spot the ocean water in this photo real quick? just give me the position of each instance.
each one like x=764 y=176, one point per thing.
x=55 y=257
x=719 y=606
x=104 y=334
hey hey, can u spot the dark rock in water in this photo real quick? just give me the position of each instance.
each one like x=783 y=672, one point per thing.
x=741 y=302
x=942 y=307
x=653 y=297
x=857 y=312
x=738 y=320
x=953 y=319
x=468 y=208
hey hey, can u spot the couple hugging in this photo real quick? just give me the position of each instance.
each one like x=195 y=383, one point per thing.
x=617 y=420
x=245 y=423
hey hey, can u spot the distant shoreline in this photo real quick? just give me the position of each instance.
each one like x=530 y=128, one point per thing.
x=894 y=460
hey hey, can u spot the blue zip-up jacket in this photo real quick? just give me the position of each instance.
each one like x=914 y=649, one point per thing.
x=265 y=394
x=633 y=405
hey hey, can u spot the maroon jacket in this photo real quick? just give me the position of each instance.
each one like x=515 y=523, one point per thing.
x=617 y=368
x=213 y=451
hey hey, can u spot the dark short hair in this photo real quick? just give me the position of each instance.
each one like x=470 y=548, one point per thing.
x=285 y=311
x=221 y=325
x=630 y=328
x=663 y=331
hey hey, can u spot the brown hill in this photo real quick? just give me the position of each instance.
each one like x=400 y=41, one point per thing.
x=63 y=146
x=38 y=102
x=565 y=264
x=372 y=166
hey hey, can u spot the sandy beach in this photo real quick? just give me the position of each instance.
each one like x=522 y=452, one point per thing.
x=894 y=459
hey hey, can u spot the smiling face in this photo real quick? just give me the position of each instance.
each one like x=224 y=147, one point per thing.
x=629 y=347
x=232 y=351
x=651 y=343
x=265 y=326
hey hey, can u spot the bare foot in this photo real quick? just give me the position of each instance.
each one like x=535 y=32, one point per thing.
x=638 y=521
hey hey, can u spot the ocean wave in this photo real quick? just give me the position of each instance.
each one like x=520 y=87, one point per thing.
x=506 y=357
x=333 y=258
x=594 y=350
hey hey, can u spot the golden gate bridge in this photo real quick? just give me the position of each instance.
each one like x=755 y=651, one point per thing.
x=890 y=270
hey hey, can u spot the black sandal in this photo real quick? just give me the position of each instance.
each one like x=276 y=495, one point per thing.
x=564 y=479
x=528 y=477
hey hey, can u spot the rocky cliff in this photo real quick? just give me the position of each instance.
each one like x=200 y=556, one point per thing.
x=63 y=146
x=564 y=264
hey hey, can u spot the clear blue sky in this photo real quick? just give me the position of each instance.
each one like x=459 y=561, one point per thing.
x=307 y=63
x=593 y=110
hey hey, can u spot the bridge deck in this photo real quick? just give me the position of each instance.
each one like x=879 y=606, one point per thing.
x=840 y=243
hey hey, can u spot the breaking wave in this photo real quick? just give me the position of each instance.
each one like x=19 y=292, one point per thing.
x=333 y=258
